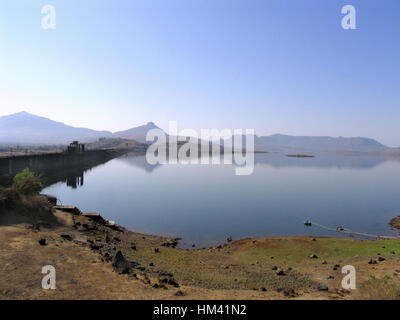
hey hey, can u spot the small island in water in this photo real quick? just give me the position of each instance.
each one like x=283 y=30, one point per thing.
x=300 y=156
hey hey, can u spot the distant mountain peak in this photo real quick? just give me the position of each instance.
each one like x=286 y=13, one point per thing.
x=138 y=133
x=21 y=113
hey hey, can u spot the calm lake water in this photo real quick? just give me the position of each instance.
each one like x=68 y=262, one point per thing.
x=203 y=204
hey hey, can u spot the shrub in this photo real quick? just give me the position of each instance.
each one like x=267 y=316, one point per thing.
x=27 y=183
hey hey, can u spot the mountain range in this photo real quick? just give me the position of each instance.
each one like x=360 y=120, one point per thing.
x=26 y=128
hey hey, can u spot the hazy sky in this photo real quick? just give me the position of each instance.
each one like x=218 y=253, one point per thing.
x=278 y=66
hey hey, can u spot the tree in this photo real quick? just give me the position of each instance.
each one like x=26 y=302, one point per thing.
x=27 y=183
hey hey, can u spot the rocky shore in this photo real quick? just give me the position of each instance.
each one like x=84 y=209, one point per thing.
x=109 y=240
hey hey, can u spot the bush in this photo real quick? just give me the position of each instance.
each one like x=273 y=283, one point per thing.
x=27 y=183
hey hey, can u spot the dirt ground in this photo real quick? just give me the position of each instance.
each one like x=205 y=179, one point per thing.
x=82 y=251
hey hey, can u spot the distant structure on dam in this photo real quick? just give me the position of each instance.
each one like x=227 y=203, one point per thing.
x=67 y=166
x=76 y=147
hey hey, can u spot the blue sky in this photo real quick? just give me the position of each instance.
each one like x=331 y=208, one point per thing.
x=278 y=66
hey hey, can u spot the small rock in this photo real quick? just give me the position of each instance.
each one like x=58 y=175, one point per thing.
x=156 y=286
x=280 y=272
x=66 y=237
x=172 y=282
x=42 y=242
x=95 y=246
x=133 y=246
x=322 y=287
x=381 y=259
x=313 y=239
x=193 y=245
x=289 y=293
x=324 y=262
x=314 y=256
x=180 y=293
x=393 y=252
x=263 y=289
x=151 y=264
x=163 y=280
x=331 y=277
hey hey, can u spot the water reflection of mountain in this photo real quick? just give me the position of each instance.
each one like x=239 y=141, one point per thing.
x=139 y=161
x=319 y=161
x=57 y=169
x=279 y=160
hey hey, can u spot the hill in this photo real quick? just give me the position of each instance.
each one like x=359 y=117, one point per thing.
x=285 y=143
x=138 y=133
x=26 y=128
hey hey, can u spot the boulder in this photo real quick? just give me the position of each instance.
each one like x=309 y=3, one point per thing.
x=120 y=264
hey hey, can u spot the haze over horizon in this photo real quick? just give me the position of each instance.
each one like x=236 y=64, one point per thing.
x=276 y=66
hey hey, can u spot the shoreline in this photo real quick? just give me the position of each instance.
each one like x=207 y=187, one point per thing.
x=129 y=265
